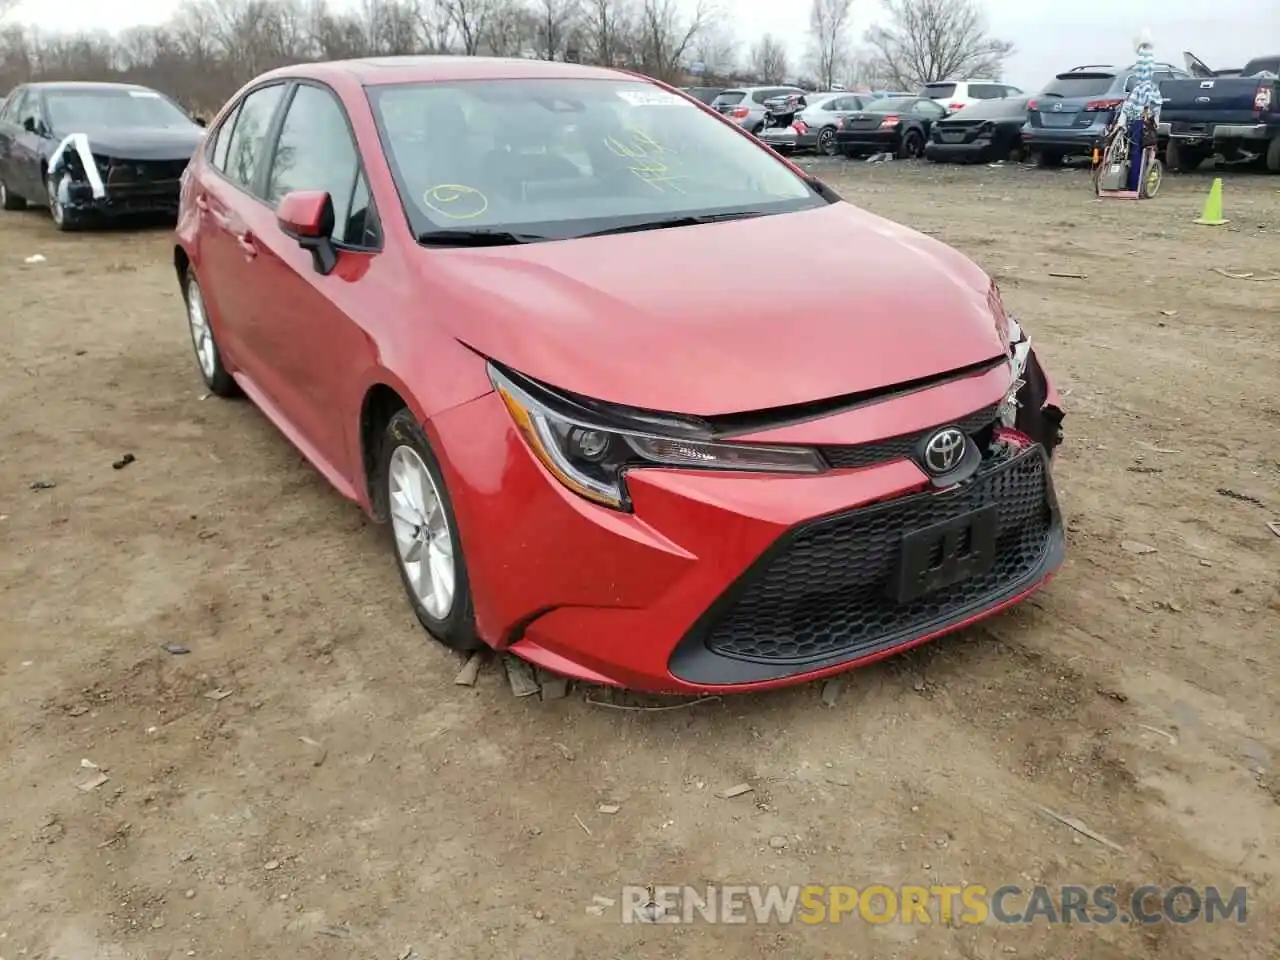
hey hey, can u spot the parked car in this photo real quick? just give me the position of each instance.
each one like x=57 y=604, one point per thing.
x=93 y=150
x=673 y=486
x=745 y=105
x=897 y=125
x=1228 y=116
x=818 y=122
x=958 y=94
x=706 y=94
x=984 y=131
x=1070 y=116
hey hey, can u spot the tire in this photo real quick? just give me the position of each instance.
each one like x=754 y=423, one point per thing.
x=1273 y=156
x=405 y=444
x=912 y=146
x=11 y=201
x=1049 y=160
x=827 y=141
x=1182 y=159
x=212 y=371
x=64 y=221
x=1153 y=176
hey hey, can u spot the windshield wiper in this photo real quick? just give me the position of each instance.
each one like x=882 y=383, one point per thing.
x=684 y=221
x=476 y=238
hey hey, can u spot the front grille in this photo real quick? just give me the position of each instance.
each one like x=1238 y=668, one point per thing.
x=902 y=446
x=824 y=589
x=142 y=172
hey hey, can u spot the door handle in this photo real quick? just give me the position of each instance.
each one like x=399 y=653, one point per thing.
x=247 y=245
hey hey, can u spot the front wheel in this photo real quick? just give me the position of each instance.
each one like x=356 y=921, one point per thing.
x=63 y=219
x=424 y=535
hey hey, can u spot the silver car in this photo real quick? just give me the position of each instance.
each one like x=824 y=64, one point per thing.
x=820 y=118
x=745 y=105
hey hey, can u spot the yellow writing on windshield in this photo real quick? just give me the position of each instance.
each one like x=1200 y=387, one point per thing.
x=456 y=201
x=647 y=159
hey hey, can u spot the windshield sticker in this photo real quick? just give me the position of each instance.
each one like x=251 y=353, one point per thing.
x=646 y=159
x=456 y=201
x=653 y=98
x=144 y=94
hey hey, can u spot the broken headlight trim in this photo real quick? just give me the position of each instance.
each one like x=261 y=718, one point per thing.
x=1019 y=351
x=589 y=453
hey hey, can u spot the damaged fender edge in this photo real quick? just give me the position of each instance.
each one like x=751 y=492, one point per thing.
x=1032 y=403
x=58 y=165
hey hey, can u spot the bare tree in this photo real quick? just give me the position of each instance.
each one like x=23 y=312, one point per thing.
x=927 y=40
x=555 y=21
x=608 y=28
x=717 y=50
x=666 y=36
x=470 y=18
x=767 y=61
x=828 y=32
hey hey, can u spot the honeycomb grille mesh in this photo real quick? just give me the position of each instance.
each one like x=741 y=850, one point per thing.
x=826 y=590
x=902 y=446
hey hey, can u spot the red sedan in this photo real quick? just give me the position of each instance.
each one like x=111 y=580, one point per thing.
x=639 y=401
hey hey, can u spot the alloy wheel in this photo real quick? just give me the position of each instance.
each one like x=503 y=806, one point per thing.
x=424 y=543
x=827 y=142
x=55 y=206
x=201 y=334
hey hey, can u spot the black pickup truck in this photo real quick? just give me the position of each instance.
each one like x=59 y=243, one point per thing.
x=1235 y=115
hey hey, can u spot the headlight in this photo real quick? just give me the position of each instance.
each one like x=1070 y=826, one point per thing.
x=588 y=446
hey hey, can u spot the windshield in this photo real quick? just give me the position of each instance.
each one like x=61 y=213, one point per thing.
x=561 y=158
x=72 y=110
x=890 y=105
x=1079 y=85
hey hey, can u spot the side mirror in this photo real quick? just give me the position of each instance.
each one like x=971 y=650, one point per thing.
x=307 y=217
x=29 y=125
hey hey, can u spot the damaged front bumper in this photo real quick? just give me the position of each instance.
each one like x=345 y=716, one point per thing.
x=85 y=183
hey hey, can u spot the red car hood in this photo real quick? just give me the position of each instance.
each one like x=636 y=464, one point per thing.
x=724 y=318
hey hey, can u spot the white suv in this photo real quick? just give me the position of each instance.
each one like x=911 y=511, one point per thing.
x=956 y=94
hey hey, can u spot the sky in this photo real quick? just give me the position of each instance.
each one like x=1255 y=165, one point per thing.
x=1049 y=37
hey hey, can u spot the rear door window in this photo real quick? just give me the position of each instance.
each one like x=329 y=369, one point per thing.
x=249 y=137
x=939 y=91
x=1070 y=85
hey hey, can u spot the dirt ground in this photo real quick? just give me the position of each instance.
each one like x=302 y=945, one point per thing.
x=309 y=782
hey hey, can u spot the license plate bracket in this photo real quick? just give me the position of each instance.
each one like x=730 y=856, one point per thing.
x=944 y=554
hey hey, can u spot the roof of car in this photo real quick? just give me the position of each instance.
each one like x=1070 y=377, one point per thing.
x=84 y=85
x=375 y=71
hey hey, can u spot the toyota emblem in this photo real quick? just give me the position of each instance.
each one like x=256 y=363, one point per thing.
x=944 y=450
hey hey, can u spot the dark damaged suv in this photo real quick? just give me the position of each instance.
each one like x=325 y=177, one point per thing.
x=93 y=150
